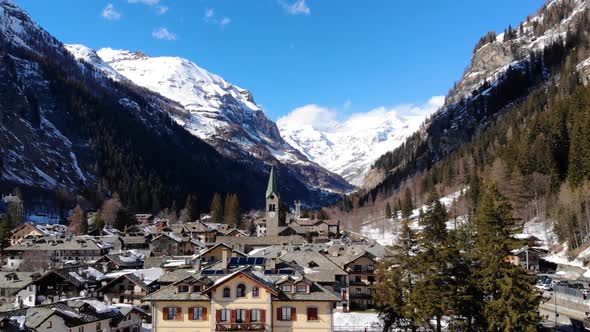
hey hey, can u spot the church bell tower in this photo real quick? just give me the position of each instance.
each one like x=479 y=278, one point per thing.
x=272 y=205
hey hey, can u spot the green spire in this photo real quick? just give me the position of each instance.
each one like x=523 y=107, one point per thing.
x=272 y=183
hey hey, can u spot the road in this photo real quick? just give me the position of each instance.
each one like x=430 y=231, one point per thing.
x=566 y=319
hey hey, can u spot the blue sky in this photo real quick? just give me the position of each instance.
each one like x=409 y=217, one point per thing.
x=346 y=56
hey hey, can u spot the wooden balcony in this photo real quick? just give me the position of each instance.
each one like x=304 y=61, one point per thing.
x=239 y=327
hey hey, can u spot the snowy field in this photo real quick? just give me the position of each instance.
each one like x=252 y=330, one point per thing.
x=356 y=321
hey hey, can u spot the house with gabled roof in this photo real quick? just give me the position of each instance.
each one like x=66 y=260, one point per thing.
x=243 y=300
x=127 y=289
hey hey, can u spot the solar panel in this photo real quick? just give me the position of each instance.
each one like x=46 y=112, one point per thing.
x=219 y=272
x=286 y=272
x=233 y=260
x=207 y=272
x=267 y=271
x=242 y=261
x=260 y=260
x=250 y=261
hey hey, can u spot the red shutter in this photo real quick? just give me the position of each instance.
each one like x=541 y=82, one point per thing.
x=166 y=314
x=204 y=313
x=248 y=315
x=233 y=316
x=279 y=314
x=179 y=314
x=263 y=316
x=217 y=315
x=293 y=314
x=191 y=313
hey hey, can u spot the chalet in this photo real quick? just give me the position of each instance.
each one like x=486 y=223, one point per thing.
x=25 y=230
x=243 y=300
x=12 y=282
x=127 y=289
x=53 y=252
x=169 y=244
x=121 y=261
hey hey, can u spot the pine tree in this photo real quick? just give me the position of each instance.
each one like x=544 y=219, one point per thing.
x=216 y=208
x=232 y=210
x=408 y=205
x=388 y=211
x=124 y=219
x=431 y=294
x=395 y=282
x=6 y=227
x=98 y=222
x=511 y=301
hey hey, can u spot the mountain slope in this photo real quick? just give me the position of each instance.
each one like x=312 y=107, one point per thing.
x=68 y=126
x=210 y=108
x=349 y=148
x=504 y=69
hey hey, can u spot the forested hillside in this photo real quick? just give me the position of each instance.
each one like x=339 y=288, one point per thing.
x=527 y=129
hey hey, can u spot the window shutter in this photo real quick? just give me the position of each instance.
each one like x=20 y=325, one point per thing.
x=248 y=316
x=263 y=316
x=191 y=313
x=218 y=315
x=179 y=313
x=279 y=314
x=204 y=313
x=233 y=316
x=293 y=314
x=166 y=314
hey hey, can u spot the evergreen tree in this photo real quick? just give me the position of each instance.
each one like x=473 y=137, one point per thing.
x=98 y=222
x=232 y=210
x=124 y=219
x=408 y=205
x=511 y=301
x=216 y=209
x=388 y=212
x=431 y=294
x=6 y=227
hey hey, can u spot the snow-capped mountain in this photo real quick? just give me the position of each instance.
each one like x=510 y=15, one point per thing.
x=210 y=108
x=350 y=147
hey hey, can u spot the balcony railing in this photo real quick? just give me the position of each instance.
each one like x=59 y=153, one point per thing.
x=239 y=327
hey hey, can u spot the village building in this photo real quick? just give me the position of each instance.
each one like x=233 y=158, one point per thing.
x=244 y=300
x=169 y=244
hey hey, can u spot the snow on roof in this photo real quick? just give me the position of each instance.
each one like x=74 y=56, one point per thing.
x=100 y=306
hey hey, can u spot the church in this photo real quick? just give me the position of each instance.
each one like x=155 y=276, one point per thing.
x=290 y=224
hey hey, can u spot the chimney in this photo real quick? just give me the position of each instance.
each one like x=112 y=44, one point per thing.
x=225 y=253
x=197 y=265
x=273 y=264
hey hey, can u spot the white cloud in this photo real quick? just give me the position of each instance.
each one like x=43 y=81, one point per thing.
x=163 y=33
x=162 y=10
x=145 y=2
x=110 y=13
x=299 y=7
x=212 y=19
x=326 y=119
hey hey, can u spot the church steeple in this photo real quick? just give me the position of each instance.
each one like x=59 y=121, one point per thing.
x=271 y=188
x=273 y=204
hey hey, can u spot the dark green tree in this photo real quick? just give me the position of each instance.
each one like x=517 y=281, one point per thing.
x=216 y=208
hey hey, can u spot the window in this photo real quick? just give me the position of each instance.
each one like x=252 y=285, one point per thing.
x=286 y=288
x=197 y=288
x=224 y=315
x=81 y=329
x=255 y=315
x=197 y=313
x=357 y=268
x=183 y=289
x=130 y=287
x=371 y=279
x=286 y=313
x=370 y=268
x=49 y=324
x=359 y=291
x=312 y=313
x=255 y=292
x=357 y=278
x=98 y=327
x=226 y=292
x=121 y=288
x=240 y=315
x=172 y=313
x=241 y=290
x=301 y=288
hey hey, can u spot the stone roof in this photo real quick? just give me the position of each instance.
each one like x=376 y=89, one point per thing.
x=60 y=243
x=316 y=266
x=261 y=241
x=16 y=279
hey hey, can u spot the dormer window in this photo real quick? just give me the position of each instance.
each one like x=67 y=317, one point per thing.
x=241 y=290
x=183 y=289
x=312 y=264
x=197 y=288
x=301 y=288
x=226 y=292
x=287 y=288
